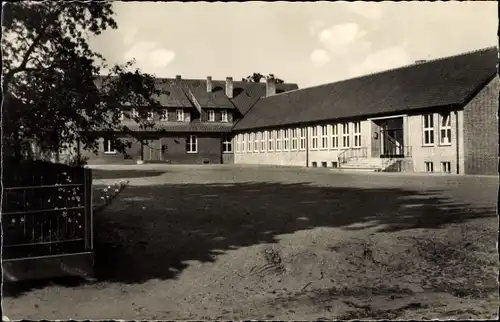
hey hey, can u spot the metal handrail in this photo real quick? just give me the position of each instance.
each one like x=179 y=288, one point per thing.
x=346 y=155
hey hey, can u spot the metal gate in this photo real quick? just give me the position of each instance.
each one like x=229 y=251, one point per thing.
x=47 y=223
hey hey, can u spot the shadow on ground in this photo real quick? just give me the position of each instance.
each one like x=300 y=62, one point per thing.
x=98 y=174
x=151 y=231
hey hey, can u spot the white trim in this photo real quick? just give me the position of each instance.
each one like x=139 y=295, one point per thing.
x=270 y=141
x=224 y=116
x=446 y=128
x=324 y=137
x=190 y=144
x=109 y=145
x=150 y=115
x=164 y=115
x=211 y=115
x=302 y=138
x=431 y=129
x=386 y=117
x=181 y=114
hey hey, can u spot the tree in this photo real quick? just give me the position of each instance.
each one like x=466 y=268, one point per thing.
x=53 y=94
x=257 y=77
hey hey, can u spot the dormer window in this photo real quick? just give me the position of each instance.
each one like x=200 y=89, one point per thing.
x=180 y=115
x=224 y=116
x=134 y=114
x=164 y=115
x=150 y=116
x=211 y=115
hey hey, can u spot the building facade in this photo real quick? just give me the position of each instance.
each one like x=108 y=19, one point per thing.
x=437 y=116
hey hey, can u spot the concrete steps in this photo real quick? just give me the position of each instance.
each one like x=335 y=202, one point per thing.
x=366 y=165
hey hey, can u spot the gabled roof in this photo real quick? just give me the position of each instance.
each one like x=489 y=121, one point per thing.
x=441 y=82
x=195 y=126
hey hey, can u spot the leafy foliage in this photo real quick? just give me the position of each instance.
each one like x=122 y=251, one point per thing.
x=53 y=94
x=257 y=77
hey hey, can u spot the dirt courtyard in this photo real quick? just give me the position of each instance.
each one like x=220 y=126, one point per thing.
x=232 y=243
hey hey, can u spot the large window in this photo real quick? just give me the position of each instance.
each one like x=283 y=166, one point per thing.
x=180 y=115
x=244 y=142
x=263 y=141
x=192 y=144
x=227 y=145
x=278 y=140
x=445 y=129
x=256 y=142
x=303 y=138
x=286 y=140
x=294 y=140
x=345 y=135
x=224 y=116
x=357 y=134
x=211 y=115
x=335 y=136
x=314 y=137
x=428 y=123
x=109 y=146
x=324 y=137
x=238 y=143
x=270 y=141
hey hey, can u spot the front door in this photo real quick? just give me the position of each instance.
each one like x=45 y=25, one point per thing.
x=392 y=143
x=152 y=150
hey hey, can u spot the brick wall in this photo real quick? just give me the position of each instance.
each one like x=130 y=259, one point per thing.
x=481 y=131
x=209 y=150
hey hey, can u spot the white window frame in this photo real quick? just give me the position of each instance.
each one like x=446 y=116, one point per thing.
x=446 y=166
x=428 y=128
x=134 y=113
x=108 y=146
x=295 y=143
x=164 y=115
x=121 y=117
x=211 y=115
x=324 y=137
x=303 y=136
x=357 y=134
x=279 y=137
x=238 y=143
x=314 y=138
x=335 y=136
x=179 y=115
x=250 y=142
x=256 y=142
x=192 y=141
x=227 y=145
x=270 y=141
x=346 y=136
x=244 y=142
x=286 y=140
x=150 y=115
x=224 y=116
x=429 y=166
x=446 y=129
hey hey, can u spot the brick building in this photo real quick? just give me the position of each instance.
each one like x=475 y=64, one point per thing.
x=194 y=126
x=434 y=116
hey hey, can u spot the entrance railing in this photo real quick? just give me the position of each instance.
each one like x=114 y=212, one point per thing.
x=352 y=153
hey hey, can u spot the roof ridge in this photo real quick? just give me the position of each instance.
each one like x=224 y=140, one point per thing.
x=391 y=69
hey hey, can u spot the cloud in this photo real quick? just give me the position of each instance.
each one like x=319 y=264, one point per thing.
x=149 y=56
x=366 y=10
x=344 y=39
x=129 y=37
x=381 y=60
x=320 y=57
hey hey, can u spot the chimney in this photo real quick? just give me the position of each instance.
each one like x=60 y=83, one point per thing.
x=178 y=77
x=270 y=86
x=209 y=84
x=229 y=87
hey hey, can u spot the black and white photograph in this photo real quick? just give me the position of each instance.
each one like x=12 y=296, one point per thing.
x=252 y=160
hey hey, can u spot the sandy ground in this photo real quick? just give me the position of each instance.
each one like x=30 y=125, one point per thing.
x=282 y=243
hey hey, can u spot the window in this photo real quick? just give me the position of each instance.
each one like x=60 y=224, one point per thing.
x=150 y=116
x=224 y=116
x=345 y=135
x=294 y=140
x=263 y=142
x=256 y=142
x=315 y=164
x=324 y=137
x=109 y=146
x=238 y=143
x=192 y=144
x=303 y=138
x=278 y=140
x=211 y=115
x=180 y=115
x=357 y=134
x=445 y=129
x=335 y=164
x=446 y=167
x=429 y=167
x=335 y=136
x=134 y=114
x=428 y=129
x=270 y=142
x=227 y=145
x=249 y=141
x=286 y=140
x=323 y=164
x=314 y=136
x=164 y=115
x=244 y=143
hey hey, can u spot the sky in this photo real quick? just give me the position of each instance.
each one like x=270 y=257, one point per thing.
x=305 y=43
